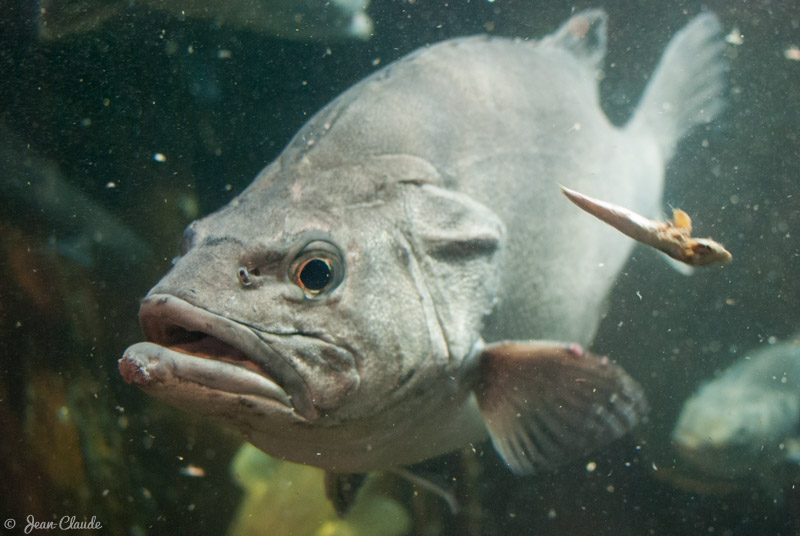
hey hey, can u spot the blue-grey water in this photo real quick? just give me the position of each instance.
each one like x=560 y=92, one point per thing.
x=145 y=121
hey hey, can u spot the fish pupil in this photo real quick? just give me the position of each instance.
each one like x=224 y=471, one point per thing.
x=315 y=274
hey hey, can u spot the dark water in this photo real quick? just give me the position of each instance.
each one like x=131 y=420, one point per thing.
x=101 y=106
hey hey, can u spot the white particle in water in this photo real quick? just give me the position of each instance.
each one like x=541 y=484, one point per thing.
x=792 y=53
x=735 y=37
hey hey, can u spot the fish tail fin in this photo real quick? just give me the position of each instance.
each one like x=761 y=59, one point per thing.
x=688 y=86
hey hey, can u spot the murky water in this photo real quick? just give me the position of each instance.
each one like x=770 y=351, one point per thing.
x=118 y=134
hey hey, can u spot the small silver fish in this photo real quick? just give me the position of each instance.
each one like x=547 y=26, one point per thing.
x=673 y=237
x=372 y=298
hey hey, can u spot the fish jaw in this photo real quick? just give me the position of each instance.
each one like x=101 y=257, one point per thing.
x=210 y=365
x=192 y=353
x=201 y=384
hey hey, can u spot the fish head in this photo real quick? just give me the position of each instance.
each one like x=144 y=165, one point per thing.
x=321 y=299
x=727 y=428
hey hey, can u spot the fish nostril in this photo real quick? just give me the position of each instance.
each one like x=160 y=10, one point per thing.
x=245 y=276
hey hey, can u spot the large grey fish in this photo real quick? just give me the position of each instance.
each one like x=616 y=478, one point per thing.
x=744 y=423
x=345 y=310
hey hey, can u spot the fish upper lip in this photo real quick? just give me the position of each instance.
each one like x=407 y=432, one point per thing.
x=176 y=324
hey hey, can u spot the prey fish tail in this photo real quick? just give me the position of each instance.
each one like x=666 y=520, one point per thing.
x=673 y=237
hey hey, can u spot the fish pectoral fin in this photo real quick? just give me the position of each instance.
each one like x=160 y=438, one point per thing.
x=341 y=489
x=545 y=403
x=679 y=266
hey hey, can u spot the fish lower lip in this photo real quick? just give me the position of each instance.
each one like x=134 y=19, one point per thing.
x=182 y=328
x=146 y=363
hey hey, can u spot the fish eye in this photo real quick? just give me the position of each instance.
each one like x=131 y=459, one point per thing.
x=314 y=274
x=317 y=268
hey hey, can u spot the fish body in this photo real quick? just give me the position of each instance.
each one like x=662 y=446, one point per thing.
x=298 y=20
x=382 y=292
x=34 y=189
x=743 y=423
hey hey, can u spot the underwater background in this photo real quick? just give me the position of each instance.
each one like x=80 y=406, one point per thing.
x=118 y=133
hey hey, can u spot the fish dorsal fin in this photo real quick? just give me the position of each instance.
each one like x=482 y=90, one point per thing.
x=547 y=402
x=584 y=36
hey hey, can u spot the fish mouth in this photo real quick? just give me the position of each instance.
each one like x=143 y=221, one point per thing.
x=193 y=344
